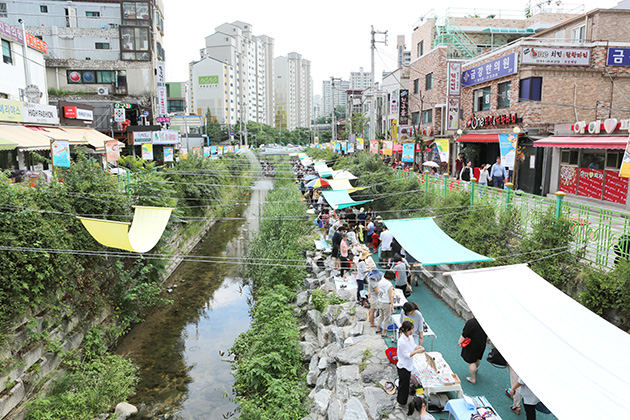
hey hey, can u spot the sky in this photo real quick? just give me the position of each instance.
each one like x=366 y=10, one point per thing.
x=333 y=35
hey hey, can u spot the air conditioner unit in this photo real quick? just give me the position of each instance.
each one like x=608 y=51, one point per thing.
x=103 y=91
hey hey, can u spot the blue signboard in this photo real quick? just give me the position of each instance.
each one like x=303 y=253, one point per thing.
x=494 y=69
x=618 y=57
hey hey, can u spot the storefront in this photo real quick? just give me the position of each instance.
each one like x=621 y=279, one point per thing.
x=588 y=166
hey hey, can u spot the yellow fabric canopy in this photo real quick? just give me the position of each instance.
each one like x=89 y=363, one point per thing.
x=342 y=184
x=146 y=229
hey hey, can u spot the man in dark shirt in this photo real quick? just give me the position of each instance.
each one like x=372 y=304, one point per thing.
x=459 y=164
x=336 y=242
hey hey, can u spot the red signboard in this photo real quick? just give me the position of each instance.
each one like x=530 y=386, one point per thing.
x=591 y=183
x=36 y=43
x=568 y=179
x=70 y=111
x=616 y=189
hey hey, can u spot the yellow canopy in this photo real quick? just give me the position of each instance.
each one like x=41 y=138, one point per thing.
x=342 y=184
x=145 y=232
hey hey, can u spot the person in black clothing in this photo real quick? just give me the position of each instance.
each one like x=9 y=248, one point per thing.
x=336 y=242
x=472 y=353
x=467 y=172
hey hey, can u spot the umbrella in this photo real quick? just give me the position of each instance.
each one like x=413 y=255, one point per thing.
x=310 y=177
x=431 y=164
x=317 y=183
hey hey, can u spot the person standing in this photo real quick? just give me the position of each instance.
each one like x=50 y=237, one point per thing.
x=498 y=174
x=373 y=278
x=459 y=164
x=336 y=243
x=385 y=303
x=483 y=176
x=405 y=351
x=343 y=255
x=473 y=351
x=412 y=314
x=400 y=271
x=386 y=238
x=362 y=271
x=369 y=231
x=516 y=395
x=467 y=172
x=529 y=398
x=362 y=216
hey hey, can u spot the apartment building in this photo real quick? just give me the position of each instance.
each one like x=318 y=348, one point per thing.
x=213 y=87
x=333 y=94
x=294 y=92
x=360 y=80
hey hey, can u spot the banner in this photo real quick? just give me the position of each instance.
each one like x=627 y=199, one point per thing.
x=213 y=150
x=454 y=78
x=407 y=152
x=360 y=144
x=112 y=150
x=219 y=150
x=393 y=129
x=168 y=154
x=507 y=147
x=616 y=188
x=373 y=146
x=443 y=147
x=350 y=147
x=624 y=171
x=10 y=110
x=453 y=114
x=393 y=105
x=61 y=153
x=183 y=153
x=147 y=151
x=141 y=137
x=39 y=114
x=388 y=145
x=206 y=152
x=556 y=56
x=590 y=183
x=337 y=146
x=500 y=67
x=403 y=105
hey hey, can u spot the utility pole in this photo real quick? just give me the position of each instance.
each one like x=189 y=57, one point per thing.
x=332 y=98
x=373 y=104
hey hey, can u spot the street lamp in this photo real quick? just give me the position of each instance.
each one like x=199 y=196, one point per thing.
x=516 y=129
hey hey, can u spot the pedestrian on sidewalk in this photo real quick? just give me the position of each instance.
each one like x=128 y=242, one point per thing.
x=516 y=395
x=467 y=172
x=373 y=278
x=405 y=351
x=400 y=273
x=459 y=164
x=386 y=238
x=498 y=174
x=336 y=243
x=530 y=400
x=411 y=313
x=369 y=230
x=472 y=353
x=343 y=254
x=385 y=293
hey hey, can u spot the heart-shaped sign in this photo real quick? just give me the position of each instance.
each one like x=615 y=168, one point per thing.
x=610 y=125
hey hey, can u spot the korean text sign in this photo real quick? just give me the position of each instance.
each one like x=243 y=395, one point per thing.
x=503 y=66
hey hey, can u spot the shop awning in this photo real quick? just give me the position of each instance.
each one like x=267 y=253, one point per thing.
x=584 y=142
x=340 y=199
x=562 y=351
x=24 y=137
x=423 y=239
x=478 y=138
x=343 y=174
x=343 y=184
x=7 y=144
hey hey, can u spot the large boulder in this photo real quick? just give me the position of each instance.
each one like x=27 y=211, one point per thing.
x=308 y=349
x=334 y=409
x=124 y=410
x=313 y=371
x=312 y=319
x=336 y=335
x=378 y=402
x=356 y=330
x=348 y=382
x=350 y=355
x=311 y=283
x=354 y=410
x=302 y=299
x=321 y=400
x=322 y=381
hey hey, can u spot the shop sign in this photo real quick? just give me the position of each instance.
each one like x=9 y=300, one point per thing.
x=494 y=69
x=595 y=127
x=618 y=57
x=556 y=56
x=453 y=114
x=166 y=137
x=10 y=110
x=74 y=113
x=495 y=120
x=393 y=105
x=454 y=77
x=141 y=137
x=590 y=183
x=11 y=33
x=163 y=119
x=162 y=100
x=404 y=107
x=120 y=105
x=616 y=189
x=36 y=43
x=39 y=114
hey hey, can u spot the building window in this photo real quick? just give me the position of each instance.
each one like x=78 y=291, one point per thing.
x=578 y=34
x=43 y=9
x=593 y=159
x=530 y=89
x=176 y=105
x=416 y=85
x=75 y=77
x=105 y=76
x=504 y=95
x=427 y=116
x=3 y=10
x=415 y=118
x=136 y=10
x=481 y=99
x=7 y=57
x=102 y=45
x=428 y=81
x=569 y=157
x=420 y=48
x=93 y=14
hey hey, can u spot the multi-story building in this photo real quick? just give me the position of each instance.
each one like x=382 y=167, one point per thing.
x=252 y=59
x=317 y=106
x=213 y=87
x=100 y=52
x=293 y=87
x=360 y=79
x=402 y=53
x=177 y=97
x=333 y=94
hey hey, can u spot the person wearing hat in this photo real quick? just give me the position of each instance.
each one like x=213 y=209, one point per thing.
x=362 y=216
x=373 y=278
x=362 y=271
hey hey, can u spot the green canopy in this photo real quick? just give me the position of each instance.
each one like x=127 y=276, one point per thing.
x=340 y=199
x=7 y=144
x=423 y=239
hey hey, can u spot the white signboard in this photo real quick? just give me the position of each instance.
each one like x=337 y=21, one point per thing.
x=161 y=74
x=140 y=137
x=454 y=78
x=162 y=100
x=119 y=115
x=85 y=114
x=556 y=56
x=166 y=137
x=40 y=114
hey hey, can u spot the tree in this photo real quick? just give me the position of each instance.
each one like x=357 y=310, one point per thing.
x=340 y=112
x=358 y=122
x=214 y=131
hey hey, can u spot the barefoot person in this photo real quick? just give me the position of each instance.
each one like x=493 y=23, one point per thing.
x=473 y=351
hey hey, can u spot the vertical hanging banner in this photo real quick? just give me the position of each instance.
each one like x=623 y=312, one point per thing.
x=454 y=78
x=624 y=171
x=507 y=147
x=407 y=152
x=393 y=129
x=61 y=153
x=112 y=150
x=213 y=150
x=206 y=152
x=219 y=150
x=337 y=146
x=360 y=144
x=393 y=105
x=169 y=154
x=147 y=151
x=388 y=146
x=453 y=114
x=162 y=100
x=344 y=146
x=373 y=146
x=183 y=153
x=350 y=147
x=443 y=145
x=403 y=115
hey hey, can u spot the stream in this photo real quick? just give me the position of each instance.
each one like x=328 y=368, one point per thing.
x=182 y=349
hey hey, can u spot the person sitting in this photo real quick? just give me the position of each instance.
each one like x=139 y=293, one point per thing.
x=419 y=404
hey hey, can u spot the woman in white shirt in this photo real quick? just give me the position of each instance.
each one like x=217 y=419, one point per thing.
x=406 y=350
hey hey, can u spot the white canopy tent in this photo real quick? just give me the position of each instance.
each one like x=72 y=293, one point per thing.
x=575 y=362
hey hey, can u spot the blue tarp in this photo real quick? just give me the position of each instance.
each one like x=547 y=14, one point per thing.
x=423 y=239
x=340 y=199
